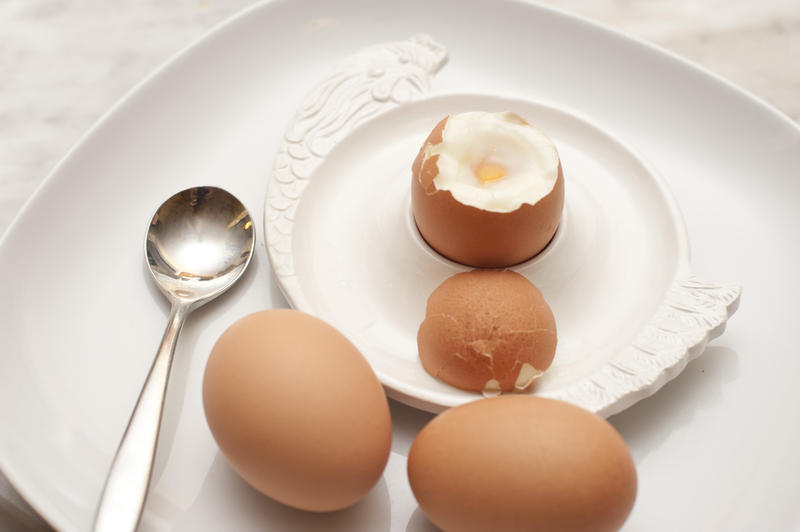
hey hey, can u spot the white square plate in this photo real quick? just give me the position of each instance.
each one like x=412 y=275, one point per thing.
x=80 y=320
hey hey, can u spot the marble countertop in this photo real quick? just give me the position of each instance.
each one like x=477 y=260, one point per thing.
x=65 y=63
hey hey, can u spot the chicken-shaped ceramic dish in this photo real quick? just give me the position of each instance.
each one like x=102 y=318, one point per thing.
x=344 y=246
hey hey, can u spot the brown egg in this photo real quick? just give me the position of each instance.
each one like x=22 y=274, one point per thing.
x=522 y=463
x=487 y=330
x=487 y=189
x=297 y=410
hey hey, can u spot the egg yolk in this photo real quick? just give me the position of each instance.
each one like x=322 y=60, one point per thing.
x=489 y=172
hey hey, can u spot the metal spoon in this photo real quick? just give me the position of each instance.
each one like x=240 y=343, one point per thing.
x=199 y=243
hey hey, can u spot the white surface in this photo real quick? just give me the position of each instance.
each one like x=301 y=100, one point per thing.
x=359 y=263
x=727 y=426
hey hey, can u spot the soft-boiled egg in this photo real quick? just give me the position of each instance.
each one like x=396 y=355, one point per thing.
x=487 y=189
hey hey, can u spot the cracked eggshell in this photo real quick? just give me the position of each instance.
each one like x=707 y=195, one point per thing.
x=473 y=236
x=487 y=330
x=297 y=410
x=522 y=463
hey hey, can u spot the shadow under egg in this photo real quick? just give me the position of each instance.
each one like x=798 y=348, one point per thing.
x=419 y=522
x=243 y=508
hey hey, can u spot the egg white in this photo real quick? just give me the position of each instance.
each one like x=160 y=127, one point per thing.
x=469 y=140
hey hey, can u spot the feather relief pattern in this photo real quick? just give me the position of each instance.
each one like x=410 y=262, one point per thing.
x=367 y=83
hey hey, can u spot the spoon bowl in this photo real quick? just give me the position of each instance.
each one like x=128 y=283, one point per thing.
x=199 y=242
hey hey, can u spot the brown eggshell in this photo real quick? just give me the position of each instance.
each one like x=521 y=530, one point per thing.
x=297 y=410
x=485 y=324
x=522 y=463
x=476 y=237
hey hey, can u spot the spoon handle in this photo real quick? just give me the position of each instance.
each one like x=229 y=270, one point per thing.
x=122 y=501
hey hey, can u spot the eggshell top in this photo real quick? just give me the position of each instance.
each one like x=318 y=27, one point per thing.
x=487 y=330
x=522 y=463
x=297 y=410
